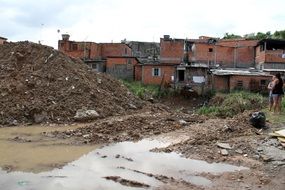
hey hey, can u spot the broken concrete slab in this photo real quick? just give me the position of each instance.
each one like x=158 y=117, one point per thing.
x=272 y=153
x=224 y=145
x=84 y=115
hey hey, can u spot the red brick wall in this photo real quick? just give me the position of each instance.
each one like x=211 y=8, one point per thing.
x=111 y=61
x=166 y=70
x=241 y=42
x=201 y=53
x=171 y=51
x=274 y=56
x=93 y=50
x=115 y=49
x=247 y=82
x=225 y=56
x=220 y=83
x=138 y=72
x=259 y=55
x=246 y=55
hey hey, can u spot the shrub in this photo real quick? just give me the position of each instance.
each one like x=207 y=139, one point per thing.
x=228 y=105
x=146 y=91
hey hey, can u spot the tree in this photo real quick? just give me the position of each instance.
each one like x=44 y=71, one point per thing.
x=260 y=35
x=231 y=36
x=279 y=34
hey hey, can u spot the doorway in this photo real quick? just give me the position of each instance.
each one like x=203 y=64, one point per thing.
x=181 y=75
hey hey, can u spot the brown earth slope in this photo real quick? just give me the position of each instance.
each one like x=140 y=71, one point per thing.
x=40 y=84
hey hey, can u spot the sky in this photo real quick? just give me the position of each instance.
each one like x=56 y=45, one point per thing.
x=135 y=20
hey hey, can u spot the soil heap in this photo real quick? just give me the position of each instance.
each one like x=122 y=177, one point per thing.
x=41 y=84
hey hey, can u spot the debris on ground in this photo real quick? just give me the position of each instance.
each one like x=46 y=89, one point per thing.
x=280 y=134
x=40 y=84
x=130 y=127
x=258 y=119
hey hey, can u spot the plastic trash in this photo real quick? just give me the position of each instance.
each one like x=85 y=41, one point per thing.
x=257 y=120
x=23 y=183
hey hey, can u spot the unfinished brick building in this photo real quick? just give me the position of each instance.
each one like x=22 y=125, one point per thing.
x=236 y=63
x=205 y=64
x=96 y=55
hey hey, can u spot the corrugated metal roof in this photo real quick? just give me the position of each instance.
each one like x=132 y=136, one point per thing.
x=249 y=72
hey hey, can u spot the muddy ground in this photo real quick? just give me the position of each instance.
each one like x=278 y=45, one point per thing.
x=192 y=136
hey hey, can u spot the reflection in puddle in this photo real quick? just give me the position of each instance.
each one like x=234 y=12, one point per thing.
x=27 y=149
x=128 y=160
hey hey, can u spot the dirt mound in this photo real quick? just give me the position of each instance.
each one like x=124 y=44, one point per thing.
x=236 y=131
x=40 y=84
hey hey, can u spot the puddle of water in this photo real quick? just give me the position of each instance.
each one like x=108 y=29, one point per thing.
x=42 y=153
x=121 y=159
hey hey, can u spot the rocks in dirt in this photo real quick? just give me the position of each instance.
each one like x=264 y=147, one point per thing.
x=224 y=152
x=224 y=145
x=85 y=115
x=130 y=127
x=239 y=151
x=40 y=117
x=40 y=84
x=270 y=153
x=182 y=122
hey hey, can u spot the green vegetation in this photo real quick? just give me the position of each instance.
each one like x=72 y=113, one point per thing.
x=145 y=91
x=228 y=105
x=258 y=36
x=231 y=36
x=276 y=118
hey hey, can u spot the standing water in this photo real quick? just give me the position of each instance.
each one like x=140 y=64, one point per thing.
x=125 y=165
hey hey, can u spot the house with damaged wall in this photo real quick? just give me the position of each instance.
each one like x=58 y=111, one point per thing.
x=113 y=58
x=203 y=64
x=213 y=64
x=116 y=59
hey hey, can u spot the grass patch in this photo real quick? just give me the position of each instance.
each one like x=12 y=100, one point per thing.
x=276 y=118
x=145 y=91
x=228 y=105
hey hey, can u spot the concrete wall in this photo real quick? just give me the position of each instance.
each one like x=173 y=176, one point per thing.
x=145 y=51
x=199 y=88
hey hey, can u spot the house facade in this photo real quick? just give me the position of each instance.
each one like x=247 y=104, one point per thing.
x=270 y=56
x=101 y=57
x=205 y=63
x=2 y=40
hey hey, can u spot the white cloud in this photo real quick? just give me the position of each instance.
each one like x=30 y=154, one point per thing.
x=148 y=20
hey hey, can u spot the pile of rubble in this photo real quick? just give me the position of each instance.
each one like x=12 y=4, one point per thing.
x=40 y=84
